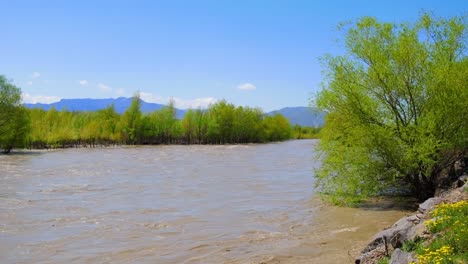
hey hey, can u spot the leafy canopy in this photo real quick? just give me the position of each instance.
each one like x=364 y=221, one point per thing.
x=397 y=105
x=14 y=119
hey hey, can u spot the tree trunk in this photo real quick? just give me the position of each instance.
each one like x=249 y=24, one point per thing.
x=421 y=189
x=7 y=149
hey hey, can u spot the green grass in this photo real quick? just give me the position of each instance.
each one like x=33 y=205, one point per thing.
x=412 y=245
x=384 y=260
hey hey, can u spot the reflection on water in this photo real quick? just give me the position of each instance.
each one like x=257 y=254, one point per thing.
x=175 y=204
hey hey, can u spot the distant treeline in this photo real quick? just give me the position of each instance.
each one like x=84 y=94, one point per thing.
x=299 y=132
x=222 y=123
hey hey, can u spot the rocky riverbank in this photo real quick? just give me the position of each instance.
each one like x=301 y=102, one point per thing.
x=388 y=243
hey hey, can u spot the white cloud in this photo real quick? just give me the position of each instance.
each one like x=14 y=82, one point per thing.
x=104 y=88
x=35 y=75
x=44 y=99
x=179 y=103
x=151 y=98
x=194 y=103
x=29 y=83
x=120 y=92
x=246 y=87
x=83 y=82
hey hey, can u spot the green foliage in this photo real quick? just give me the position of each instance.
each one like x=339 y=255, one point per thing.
x=299 y=132
x=131 y=121
x=397 y=106
x=412 y=245
x=222 y=123
x=276 y=128
x=384 y=260
x=108 y=123
x=14 y=118
x=189 y=127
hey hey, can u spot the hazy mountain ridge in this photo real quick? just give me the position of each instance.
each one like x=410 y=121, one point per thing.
x=87 y=104
x=303 y=116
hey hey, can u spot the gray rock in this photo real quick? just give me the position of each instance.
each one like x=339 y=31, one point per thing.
x=429 y=204
x=416 y=231
x=401 y=257
x=371 y=257
x=395 y=235
x=465 y=186
x=462 y=180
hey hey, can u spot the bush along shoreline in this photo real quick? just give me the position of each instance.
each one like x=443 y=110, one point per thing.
x=436 y=233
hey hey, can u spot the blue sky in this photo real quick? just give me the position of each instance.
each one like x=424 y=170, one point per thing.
x=254 y=53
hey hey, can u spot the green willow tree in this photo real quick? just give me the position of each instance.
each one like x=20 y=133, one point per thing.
x=14 y=118
x=131 y=121
x=168 y=123
x=201 y=126
x=188 y=126
x=397 y=105
x=109 y=119
x=276 y=128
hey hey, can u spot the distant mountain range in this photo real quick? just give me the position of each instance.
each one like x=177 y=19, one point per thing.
x=120 y=104
x=303 y=116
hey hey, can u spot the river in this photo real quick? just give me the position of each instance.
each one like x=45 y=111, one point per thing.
x=175 y=204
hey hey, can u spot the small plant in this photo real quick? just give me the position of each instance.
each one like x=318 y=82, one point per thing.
x=412 y=245
x=384 y=260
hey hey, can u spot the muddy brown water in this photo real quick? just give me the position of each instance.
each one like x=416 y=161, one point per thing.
x=175 y=204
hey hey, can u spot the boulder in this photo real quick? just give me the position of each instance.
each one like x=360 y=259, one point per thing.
x=371 y=257
x=414 y=218
x=429 y=204
x=401 y=257
x=462 y=180
x=395 y=235
x=418 y=230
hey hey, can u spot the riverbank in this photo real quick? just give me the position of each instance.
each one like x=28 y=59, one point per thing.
x=121 y=145
x=391 y=245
